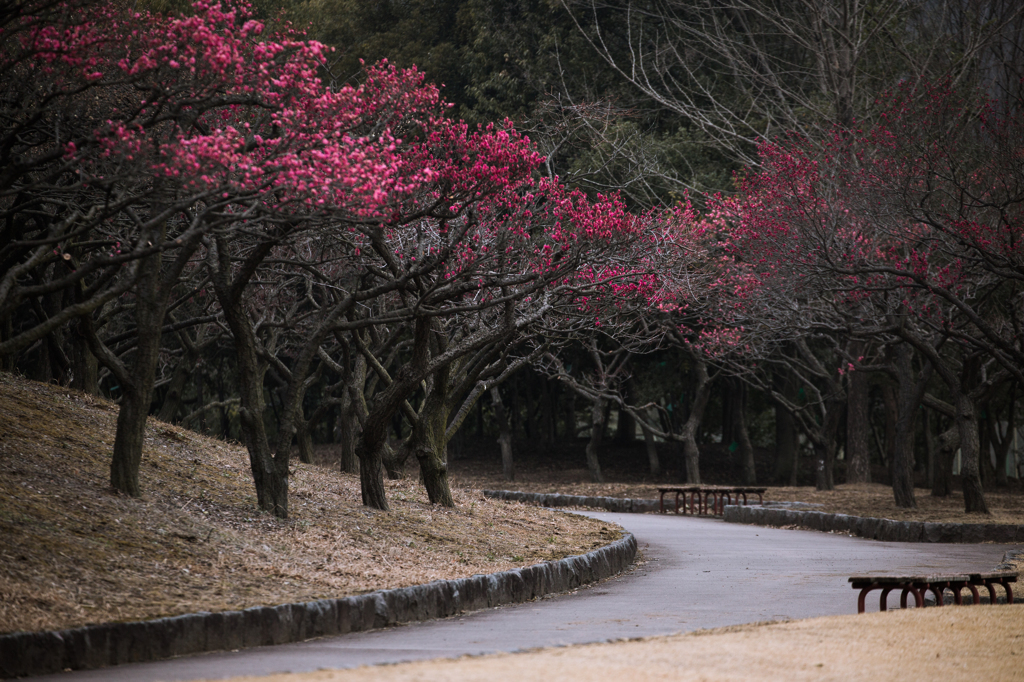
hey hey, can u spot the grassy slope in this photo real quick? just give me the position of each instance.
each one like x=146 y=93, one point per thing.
x=73 y=552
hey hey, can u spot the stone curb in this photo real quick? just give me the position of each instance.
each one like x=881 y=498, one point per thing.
x=615 y=504
x=876 y=529
x=97 y=646
x=865 y=527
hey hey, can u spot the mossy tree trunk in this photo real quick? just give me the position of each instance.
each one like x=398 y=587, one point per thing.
x=429 y=443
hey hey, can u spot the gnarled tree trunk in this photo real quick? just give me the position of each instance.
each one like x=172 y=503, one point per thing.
x=701 y=395
x=430 y=444
x=970 y=475
x=908 y=400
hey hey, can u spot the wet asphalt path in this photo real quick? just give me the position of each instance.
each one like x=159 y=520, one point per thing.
x=698 y=573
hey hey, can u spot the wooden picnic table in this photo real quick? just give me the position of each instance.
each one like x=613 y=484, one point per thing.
x=704 y=499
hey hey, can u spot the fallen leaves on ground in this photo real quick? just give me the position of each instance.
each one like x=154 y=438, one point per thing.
x=76 y=553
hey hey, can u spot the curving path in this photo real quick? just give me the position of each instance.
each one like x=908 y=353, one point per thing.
x=699 y=573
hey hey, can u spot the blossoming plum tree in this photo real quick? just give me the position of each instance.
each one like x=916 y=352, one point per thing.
x=907 y=233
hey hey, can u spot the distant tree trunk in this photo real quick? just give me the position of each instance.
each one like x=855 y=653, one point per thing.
x=348 y=437
x=891 y=415
x=786 y=444
x=740 y=434
x=701 y=395
x=504 y=436
x=949 y=441
x=84 y=366
x=1003 y=438
x=179 y=380
x=625 y=430
x=547 y=416
x=858 y=427
x=570 y=416
x=199 y=379
x=394 y=463
x=908 y=401
x=530 y=417
x=794 y=473
x=304 y=441
x=727 y=390
x=652 y=450
x=970 y=477
x=352 y=411
x=826 y=444
x=598 y=414
x=175 y=387
x=985 y=443
x=932 y=447
x=480 y=419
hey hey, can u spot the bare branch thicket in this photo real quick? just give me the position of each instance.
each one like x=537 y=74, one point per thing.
x=746 y=71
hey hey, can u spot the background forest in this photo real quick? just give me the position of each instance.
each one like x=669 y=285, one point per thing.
x=774 y=242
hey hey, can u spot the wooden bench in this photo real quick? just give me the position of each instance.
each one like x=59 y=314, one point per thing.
x=920 y=585
x=705 y=499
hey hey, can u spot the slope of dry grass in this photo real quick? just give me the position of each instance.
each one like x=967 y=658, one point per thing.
x=73 y=552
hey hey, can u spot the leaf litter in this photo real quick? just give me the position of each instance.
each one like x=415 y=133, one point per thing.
x=74 y=552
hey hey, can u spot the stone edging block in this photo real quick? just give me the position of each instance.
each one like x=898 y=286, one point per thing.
x=96 y=646
x=615 y=504
x=876 y=529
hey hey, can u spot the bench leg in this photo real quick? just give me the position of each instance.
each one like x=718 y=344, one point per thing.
x=991 y=591
x=918 y=596
x=958 y=587
x=990 y=584
x=863 y=594
x=882 y=606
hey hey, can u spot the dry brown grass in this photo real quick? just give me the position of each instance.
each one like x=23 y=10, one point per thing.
x=872 y=499
x=74 y=552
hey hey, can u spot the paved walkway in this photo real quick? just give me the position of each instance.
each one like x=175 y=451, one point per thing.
x=699 y=573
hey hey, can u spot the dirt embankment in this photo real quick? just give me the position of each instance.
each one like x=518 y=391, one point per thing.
x=75 y=553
